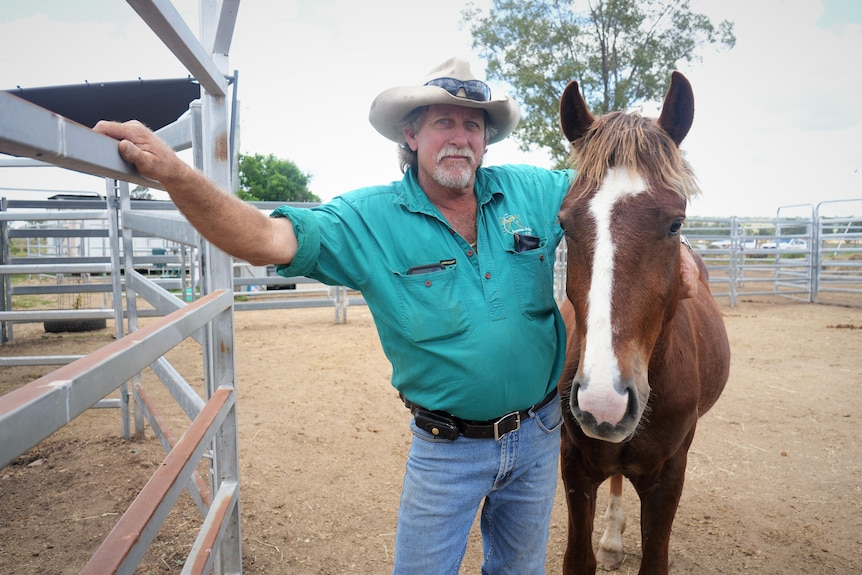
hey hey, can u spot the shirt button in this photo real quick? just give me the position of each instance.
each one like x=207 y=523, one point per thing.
x=428 y=283
x=487 y=275
x=469 y=252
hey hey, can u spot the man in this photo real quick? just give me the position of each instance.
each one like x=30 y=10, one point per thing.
x=456 y=264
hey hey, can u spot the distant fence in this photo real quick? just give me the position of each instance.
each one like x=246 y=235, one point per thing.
x=814 y=257
x=64 y=247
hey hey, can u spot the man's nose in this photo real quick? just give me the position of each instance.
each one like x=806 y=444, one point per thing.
x=459 y=136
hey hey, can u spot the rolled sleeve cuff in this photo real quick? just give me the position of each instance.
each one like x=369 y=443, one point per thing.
x=307 y=232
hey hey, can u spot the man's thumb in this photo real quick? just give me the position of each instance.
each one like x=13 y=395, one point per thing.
x=127 y=150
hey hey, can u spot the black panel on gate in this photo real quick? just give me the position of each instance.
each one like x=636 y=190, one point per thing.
x=156 y=103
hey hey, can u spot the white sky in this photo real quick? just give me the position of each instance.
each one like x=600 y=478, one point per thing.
x=778 y=119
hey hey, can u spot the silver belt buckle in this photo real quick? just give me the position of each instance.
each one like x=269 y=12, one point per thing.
x=515 y=416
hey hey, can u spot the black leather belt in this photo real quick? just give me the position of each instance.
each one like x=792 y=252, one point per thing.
x=496 y=428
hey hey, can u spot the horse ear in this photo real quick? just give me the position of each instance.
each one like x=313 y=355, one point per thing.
x=677 y=113
x=575 y=118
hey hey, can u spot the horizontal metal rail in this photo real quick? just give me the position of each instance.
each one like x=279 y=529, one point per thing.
x=196 y=486
x=31 y=413
x=85 y=268
x=169 y=26
x=50 y=215
x=201 y=558
x=171 y=227
x=34 y=132
x=128 y=541
x=183 y=393
x=35 y=316
x=38 y=360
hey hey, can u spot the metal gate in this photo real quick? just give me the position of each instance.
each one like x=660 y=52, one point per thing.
x=31 y=413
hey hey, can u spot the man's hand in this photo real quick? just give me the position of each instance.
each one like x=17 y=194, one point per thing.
x=689 y=273
x=234 y=226
x=153 y=158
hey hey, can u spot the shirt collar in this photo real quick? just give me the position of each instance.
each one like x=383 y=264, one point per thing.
x=414 y=199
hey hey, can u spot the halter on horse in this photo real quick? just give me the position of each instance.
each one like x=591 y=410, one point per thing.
x=642 y=364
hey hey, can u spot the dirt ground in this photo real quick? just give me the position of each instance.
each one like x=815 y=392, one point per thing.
x=774 y=482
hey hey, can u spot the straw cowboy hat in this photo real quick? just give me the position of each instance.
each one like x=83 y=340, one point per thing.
x=451 y=82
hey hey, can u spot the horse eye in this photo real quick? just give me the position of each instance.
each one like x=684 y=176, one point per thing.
x=675 y=227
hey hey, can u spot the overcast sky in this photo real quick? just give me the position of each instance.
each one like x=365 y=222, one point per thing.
x=778 y=119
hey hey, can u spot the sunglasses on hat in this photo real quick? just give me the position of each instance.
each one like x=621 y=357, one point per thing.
x=473 y=89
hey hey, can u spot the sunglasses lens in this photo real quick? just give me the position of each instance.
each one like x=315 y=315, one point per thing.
x=473 y=89
x=477 y=90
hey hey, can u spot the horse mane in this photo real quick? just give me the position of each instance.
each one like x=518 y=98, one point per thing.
x=638 y=144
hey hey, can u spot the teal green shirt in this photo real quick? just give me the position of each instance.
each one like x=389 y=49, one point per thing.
x=482 y=335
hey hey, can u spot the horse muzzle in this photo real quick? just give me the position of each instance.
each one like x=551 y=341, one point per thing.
x=608 y=413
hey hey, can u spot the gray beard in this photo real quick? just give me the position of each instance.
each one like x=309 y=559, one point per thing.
x=454 y=178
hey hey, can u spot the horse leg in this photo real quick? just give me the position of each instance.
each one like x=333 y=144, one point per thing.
x=659 y=495
x=581 y=492
x=610 y=555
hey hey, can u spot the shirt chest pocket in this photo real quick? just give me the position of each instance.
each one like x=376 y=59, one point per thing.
x=533 y=275
x=431 y=306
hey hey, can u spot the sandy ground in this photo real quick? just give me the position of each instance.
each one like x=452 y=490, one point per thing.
x=774 y=482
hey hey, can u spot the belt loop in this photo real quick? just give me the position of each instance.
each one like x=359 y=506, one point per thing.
x=497 y=434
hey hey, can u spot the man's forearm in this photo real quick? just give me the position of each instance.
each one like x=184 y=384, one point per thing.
x=223 y=219
x=232 y=225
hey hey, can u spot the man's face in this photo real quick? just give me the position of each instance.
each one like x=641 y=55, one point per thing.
x=450 y=144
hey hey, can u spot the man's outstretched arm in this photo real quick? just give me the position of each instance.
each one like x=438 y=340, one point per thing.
x=232 y=225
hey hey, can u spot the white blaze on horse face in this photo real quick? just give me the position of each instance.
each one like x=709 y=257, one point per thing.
x=602 y=395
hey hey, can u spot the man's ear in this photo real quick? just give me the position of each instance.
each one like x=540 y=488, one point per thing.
x=410 y=137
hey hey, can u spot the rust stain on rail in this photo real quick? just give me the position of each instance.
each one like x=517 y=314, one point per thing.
x=127 y=532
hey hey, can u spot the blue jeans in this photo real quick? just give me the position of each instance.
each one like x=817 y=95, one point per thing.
x=513 y=479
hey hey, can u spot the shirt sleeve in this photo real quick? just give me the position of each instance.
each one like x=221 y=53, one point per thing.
x=307 y=231
x=556 y=184
x=335 y=240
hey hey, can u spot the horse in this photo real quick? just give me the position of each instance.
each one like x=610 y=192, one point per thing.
x=642 y=363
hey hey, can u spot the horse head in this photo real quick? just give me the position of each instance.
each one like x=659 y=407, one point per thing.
x=622 y=217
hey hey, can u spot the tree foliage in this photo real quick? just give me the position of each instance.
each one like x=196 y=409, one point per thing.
x=271 y=179
x=621 y=52
x=140 y=193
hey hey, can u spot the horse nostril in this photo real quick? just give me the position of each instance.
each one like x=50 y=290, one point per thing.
x=573 y=397
x=633 y=409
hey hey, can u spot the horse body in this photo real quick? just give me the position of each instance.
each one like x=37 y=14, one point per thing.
x=642 y=363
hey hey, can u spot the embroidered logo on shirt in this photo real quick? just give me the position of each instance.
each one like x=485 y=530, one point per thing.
x=513 y=225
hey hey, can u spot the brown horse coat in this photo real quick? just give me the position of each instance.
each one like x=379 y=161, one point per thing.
x=642 y=364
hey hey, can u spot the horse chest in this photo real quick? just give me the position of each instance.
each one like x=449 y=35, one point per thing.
x=643 y=454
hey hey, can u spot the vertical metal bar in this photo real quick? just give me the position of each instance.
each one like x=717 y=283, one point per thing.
x=217 y=273
x=5 y=280
x=131 y=300
x=233 y=142
x=197 y=134
x=735 y=255
x=112 y=201
x=814 y=248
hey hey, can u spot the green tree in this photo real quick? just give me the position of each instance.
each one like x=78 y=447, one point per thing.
x=621 y=52
x=271 y=179
x=140 y=193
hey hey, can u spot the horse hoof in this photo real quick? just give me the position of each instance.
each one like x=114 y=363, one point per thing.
x=609 y=560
